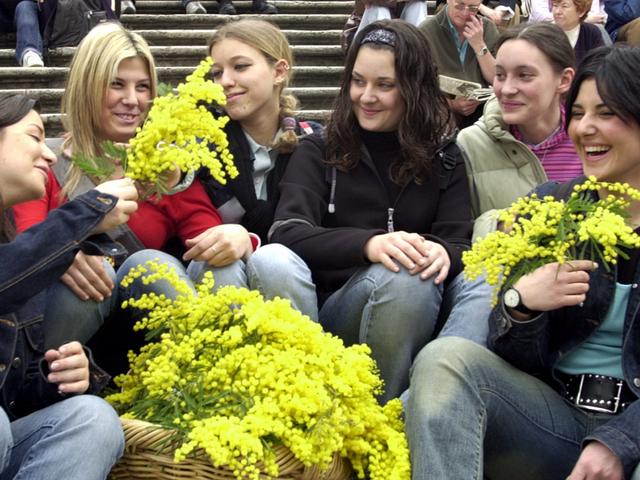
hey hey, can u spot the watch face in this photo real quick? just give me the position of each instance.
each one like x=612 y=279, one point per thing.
x=511 y=298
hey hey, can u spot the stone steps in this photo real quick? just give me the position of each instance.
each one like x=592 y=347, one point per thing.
x=211 y=21
x=164 y=7
x=190 y=55
x=201 y=37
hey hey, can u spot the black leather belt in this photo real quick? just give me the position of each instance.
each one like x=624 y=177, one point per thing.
x=598 y=393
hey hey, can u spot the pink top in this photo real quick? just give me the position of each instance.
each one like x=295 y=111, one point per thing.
x=556 y=153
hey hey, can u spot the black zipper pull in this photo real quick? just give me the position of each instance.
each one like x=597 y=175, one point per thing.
x=390 y=220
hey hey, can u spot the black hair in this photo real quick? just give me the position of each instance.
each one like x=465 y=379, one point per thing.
x=616 y=71
x=427 y=119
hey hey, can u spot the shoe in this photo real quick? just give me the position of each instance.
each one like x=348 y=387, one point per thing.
x=264 y=8
x=226 y=8
x=32 y=59
x=195 y=8
x=127 y=7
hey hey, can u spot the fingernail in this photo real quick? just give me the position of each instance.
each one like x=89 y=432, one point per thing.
x=54 y=366
x=412 y=266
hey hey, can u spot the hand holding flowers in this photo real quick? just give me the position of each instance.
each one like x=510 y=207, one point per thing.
x=545 y=231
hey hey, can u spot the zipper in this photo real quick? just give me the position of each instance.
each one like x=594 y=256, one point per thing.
x=390 y=220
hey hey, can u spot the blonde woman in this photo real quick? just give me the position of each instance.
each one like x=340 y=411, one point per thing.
x=253 y=64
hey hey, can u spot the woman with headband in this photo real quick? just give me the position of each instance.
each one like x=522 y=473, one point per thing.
x=375 y=206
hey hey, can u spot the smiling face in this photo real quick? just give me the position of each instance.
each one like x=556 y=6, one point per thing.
x=25 y=160
x=374 y=91
x=126 y=101
x=608 y=146
x=251 y=84
x=565 y=14
x=526 y=84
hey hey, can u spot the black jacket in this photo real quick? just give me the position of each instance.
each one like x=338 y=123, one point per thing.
x=536 y=346
x=258 y=214
x=329 y=229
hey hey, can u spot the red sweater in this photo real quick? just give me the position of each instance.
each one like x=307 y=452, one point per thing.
x=185 y=214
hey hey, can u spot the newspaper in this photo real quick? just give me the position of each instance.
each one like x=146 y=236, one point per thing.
x=464 y=88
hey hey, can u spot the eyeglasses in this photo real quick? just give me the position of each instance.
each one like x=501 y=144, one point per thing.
x=461 y=7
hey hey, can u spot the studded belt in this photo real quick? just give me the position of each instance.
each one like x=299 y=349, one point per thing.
x=597 y=393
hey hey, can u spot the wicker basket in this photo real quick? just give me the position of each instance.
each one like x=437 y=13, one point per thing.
x=149 y=455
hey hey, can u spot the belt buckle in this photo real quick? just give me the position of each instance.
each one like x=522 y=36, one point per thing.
x=598 y=406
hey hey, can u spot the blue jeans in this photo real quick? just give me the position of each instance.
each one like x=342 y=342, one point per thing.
x=394 y=313
x=24 y=21
x=79 y=438
x=273 y=270
x=68 y=317
x=471 y=414
x=466 y=307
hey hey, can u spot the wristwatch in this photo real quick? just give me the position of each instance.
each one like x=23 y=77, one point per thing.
x=513 y=300
x=483 y=51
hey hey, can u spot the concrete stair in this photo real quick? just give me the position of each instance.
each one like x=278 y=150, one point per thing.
x=178 y=42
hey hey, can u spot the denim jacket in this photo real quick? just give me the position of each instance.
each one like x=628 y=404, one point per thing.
x=30 y=264
x=537 y=345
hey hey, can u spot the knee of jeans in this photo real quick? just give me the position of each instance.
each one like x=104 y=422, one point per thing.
x=6 y=440
x=143 y=256
x=445 y=350
x=26 y=6
x=99 y=423
x=403 y=284
x=277 y=261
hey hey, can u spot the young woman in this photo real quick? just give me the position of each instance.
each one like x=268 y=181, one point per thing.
x=253 y=64
x=110 y=86
x=375 y=208
x=48 y=429
x=559 y=397
x=520 y=141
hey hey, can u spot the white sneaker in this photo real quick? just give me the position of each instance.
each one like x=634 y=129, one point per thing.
x=195 y=8
x=127 y=7
x=32 y=59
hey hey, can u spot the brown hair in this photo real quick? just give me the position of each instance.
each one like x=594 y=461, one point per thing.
x=550 y=39
x=426 y=121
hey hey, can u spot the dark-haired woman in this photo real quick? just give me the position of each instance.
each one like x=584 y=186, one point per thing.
x=559 y=397
x=48 y=429
x=373 y=208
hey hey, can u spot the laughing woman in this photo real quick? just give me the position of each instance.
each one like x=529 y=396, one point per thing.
x=48 y=428
x=376 y=212
x=559 y=397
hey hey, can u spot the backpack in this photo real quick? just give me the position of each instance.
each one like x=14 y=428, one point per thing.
x=68 y=21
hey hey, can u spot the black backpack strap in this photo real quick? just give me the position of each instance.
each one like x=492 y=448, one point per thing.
x=449 y=154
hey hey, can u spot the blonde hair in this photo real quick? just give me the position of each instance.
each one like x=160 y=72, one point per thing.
x=93 y=67
x=269 y=40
